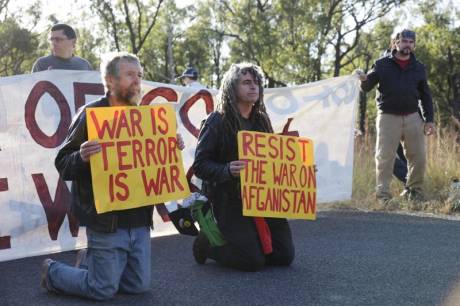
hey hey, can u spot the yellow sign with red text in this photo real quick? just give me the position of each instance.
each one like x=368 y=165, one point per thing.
x=279 y=180
x=139 y=163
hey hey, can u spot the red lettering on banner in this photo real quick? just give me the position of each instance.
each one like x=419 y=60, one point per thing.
x=169 y=94
x=55 y=210
x=161 y=181
x=286 y=129
x=311 y=176
x=251 y=194
x=136 y=118
x=162 y=151
x=172 y=145
x=101 y=130
x=291 y=144
x=122 y=125
x=303 y=176
x=280 y=174
x=161 y=124
x=5 y=242
x=163 y=118
x=118 y=123
x=302 y=202
x=104 y=146
x=175 y=172
x=259 y=146
x=311 y=203
x=303 y=148
x=121 y=154
x=3 y=184
x=286 y=201
x=150 y=151
x=37 y=134
x=117 y=182
x=183 y=112
x=137 y=153
x=80 y=90
x=272 y=143
x=246 y=144
x=255 y=172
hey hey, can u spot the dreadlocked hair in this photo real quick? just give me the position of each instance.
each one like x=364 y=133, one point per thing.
x=227 y=99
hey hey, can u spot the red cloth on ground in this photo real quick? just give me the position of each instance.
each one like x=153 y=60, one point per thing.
x=265 y=235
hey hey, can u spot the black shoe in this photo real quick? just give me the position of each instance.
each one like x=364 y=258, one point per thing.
x=200 y=248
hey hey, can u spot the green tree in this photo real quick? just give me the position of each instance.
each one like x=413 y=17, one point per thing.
x=128 y=22
x=201 y=45
x=18 y=48
x=438 y=47
x=160 y=53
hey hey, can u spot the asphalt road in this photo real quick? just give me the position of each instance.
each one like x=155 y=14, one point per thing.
x=342 y=258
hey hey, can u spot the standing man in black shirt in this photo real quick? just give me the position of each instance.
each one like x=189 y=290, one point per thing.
x=402 y=83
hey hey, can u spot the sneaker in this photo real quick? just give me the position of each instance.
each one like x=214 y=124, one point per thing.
x=200 y=248
x=44 y=274
x=80 y=261
x=405 y=193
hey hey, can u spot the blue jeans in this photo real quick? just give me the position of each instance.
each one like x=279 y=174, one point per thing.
x=115 y=262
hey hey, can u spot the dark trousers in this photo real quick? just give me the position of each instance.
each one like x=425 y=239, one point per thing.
x=248 y=256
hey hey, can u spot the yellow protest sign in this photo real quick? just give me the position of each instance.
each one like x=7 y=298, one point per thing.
x=279 y=180
x=139 y=163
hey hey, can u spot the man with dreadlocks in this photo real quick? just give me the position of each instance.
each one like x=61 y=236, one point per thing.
x=250 y=243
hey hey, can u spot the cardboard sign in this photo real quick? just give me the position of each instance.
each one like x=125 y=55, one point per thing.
x=139 y=163
x=279 y=180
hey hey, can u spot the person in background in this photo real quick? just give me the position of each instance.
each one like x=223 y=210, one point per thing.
x=190 y=78
x=402 y=83
x=250 y=243
x=119 y=254
x=63 y=40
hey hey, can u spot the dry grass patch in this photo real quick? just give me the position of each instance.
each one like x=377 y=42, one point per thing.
x=443 y=164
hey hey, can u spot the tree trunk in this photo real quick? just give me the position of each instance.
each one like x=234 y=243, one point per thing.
x=170 y=57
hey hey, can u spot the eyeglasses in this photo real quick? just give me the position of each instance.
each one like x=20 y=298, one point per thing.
x=57 y=39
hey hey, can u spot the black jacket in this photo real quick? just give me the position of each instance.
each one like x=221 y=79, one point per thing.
x=71 y=167
x=399 y=90
x=215 y=150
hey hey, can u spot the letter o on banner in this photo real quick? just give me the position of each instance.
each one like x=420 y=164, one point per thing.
x=165 y=92
x=37 y=134
x=183 y=112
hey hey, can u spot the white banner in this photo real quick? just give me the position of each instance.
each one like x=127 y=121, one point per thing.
x=36 y=111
